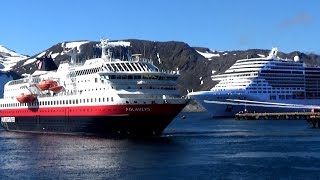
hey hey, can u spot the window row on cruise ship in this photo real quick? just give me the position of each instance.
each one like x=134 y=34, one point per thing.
x=250 y=63
x=282 y=71
x=285 y=80
x=235 y=67
x=237 y=74
x=276 y=76
x=312 y=72
x=312 y=77
x=139 y=77
x=253 y=60
x=286 y=68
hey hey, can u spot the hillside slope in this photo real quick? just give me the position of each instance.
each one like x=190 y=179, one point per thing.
x=195 y=64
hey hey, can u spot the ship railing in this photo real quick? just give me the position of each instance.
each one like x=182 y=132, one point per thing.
x=45 y=95
x=146 y=60
x=171 y=72
x=77 y=64
x=51 y=94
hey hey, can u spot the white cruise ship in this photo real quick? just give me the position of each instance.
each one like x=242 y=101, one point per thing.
x=266 y=84
x=102 y=96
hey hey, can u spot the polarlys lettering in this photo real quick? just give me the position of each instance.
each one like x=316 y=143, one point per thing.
x=142 y=109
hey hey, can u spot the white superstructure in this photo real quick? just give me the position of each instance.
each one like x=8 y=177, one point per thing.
x=263 y=84
x=135 y=79
x=102 y=95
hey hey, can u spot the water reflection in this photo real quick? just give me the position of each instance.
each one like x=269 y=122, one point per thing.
x=56 y=154
x=45 y=155
x=192 y=148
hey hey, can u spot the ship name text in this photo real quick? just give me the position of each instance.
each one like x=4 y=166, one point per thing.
x=8 y=119
x=138 y=109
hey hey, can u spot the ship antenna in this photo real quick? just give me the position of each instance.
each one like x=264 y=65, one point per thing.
x=105 y=47
x=273 y=53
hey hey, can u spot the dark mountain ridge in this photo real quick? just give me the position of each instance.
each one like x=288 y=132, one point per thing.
x=195 y=69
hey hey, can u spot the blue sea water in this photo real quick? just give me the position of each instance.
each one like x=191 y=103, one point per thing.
x=196 y=147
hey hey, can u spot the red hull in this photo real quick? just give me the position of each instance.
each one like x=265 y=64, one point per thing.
x=94 y=110
x=111 y=120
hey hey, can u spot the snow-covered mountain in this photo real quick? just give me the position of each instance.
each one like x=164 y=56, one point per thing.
x=195 y=64
x=56 y=52
x=9 y=58
x=4 y=78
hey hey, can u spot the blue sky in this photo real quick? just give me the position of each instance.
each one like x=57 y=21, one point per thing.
x=32 y=26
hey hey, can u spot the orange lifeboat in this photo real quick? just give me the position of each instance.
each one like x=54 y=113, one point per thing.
x=55 y=87
x=45 y=84
x=25 y=98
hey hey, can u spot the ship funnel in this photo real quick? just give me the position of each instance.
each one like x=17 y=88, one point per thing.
x=46 y=63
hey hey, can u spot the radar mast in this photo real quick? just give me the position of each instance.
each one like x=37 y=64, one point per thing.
x=105 y=47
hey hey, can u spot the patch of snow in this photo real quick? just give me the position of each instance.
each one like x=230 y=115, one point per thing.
x=201 y=82
x=224 y=54
x=234 y=54
x=159 y=58
x=261 y=55
x=213 y=71
x=29 y=61
x=9 y=62
x=41 y=54
x=8 y=51
x=76 y=44
x=208 y=55
x=9 y=58
x=54 y=55
x=200 y=78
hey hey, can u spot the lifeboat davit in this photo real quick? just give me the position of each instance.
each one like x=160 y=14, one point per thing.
x=25 y=98
x=45 y=84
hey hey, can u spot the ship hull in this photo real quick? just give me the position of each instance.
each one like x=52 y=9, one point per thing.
x=124 y=121
x=227 y=105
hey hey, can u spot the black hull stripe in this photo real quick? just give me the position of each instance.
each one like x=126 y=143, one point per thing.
x=126 y=125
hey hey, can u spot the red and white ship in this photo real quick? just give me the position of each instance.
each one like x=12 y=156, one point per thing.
x=102 y=96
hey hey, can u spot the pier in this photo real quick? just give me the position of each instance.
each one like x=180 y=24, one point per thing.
x=311 y=117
